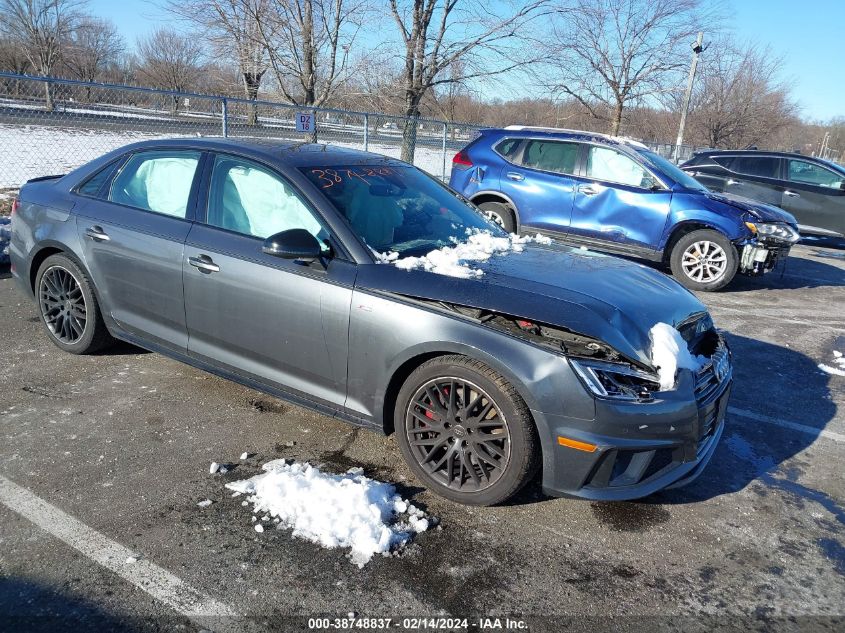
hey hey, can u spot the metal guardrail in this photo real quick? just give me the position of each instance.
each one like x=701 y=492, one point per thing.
x=50 y=125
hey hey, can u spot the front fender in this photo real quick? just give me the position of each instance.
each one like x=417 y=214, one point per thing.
x=387 y=332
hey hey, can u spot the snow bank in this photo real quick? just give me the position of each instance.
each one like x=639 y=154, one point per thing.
x=669 y=353
x=346 y=510
x=453 y=260
x=838 y=367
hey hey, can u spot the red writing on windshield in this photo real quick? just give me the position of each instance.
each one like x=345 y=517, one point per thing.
x=330 y=177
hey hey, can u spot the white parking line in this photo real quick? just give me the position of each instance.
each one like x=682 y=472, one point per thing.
x=795 y=426
x=157 y=582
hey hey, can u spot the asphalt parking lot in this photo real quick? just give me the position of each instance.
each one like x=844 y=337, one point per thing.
x=121 y=443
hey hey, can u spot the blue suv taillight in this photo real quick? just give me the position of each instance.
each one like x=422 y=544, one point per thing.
x=461 y=160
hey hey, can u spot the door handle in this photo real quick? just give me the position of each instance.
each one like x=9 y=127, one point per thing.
x=97 y=234
x=791 y=194
x=731 y=182
x=587 y=190
x=515 y=176
x=204 y=264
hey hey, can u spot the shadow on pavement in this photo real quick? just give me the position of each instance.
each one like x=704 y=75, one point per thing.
x=28 y=606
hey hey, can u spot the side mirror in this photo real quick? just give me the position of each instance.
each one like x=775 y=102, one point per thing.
x=293 y=244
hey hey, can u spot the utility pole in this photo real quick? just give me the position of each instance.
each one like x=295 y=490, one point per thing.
x=697 y=49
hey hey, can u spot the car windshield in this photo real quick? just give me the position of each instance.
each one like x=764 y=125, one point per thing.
x=399 y=208
x=674 y=172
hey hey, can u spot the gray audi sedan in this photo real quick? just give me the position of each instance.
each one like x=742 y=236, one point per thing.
x=360 y=287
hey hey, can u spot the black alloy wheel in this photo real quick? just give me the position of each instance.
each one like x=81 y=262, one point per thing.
x=62 y=304
x=465 y=431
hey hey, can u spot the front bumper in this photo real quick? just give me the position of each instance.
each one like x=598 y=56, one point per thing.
x=641 y=447
x=757 y=257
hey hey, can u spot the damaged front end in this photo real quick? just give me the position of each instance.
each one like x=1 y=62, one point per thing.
x=604 y=371
x=768 y=244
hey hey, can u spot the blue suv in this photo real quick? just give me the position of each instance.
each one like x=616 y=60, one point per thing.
x=615 y=195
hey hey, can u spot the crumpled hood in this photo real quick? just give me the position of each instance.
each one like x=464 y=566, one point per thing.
x=760 y=210
x=608 y=298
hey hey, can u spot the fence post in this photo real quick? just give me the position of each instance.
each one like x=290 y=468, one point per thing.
x=445 y=134
x=366 y=132
x=225 y=113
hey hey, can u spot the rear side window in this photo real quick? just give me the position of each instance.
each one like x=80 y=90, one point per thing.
x=556 y=156
x=158 y=181
x=764 y=166
x=507 y=147
x=95 y=183
x=812 y=174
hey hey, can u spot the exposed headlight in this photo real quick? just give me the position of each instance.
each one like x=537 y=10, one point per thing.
x=611 y=380
x=774 y=230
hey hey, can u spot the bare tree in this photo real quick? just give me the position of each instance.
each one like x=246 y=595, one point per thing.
x=170 y=60
x=741 y=97
x=307 y=44
x=609 y=54
x=41 y=28
x=94 y=45
x=232 y=29
x=437 y=34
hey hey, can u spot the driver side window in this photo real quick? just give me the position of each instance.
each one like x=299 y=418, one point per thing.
x=248 y=198
x=812 y=174
x=609 y=165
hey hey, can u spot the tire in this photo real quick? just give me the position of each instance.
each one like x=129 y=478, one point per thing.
x=494 y=446
x=704 y=260
x=68 y=307
x=501 y=214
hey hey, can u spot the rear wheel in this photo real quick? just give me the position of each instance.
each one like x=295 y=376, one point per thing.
x=500 y=213
x=704 y=260
x=465 y=431
x=68 y=307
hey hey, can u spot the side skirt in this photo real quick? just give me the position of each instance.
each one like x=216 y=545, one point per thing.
x=600 y=245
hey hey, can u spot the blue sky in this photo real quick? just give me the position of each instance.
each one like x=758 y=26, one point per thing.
x=808 y=35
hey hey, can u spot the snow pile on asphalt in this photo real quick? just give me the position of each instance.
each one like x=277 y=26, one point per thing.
x=838 y=367
x=453 y=260
x=348 y=510
x=5 y=237
x=669 y=353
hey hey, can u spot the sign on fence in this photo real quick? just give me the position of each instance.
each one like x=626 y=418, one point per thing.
x=304 y=121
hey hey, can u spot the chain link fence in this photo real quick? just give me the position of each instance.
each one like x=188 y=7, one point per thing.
x=50 y=126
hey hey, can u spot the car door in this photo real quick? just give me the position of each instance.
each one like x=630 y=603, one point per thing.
x=814 y=195
x=619 y=201
x=282 y=322
x=132 y=233
x=540 y=181
x=754 y=176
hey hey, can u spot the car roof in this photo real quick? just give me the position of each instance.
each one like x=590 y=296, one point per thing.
x=578 y=135
x=762 y=152
x=293 y=153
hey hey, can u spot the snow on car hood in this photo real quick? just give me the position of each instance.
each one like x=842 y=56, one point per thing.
x=608 y=298
x=760 y=210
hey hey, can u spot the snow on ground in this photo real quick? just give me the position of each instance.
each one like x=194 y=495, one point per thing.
x=453 y=261
x=669 y=353
x=348 y=510
x=39 y=150
x=838 y=366
x=30 y=151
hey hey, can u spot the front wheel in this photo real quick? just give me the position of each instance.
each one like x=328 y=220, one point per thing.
x=704 y=260
x=465 y=431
